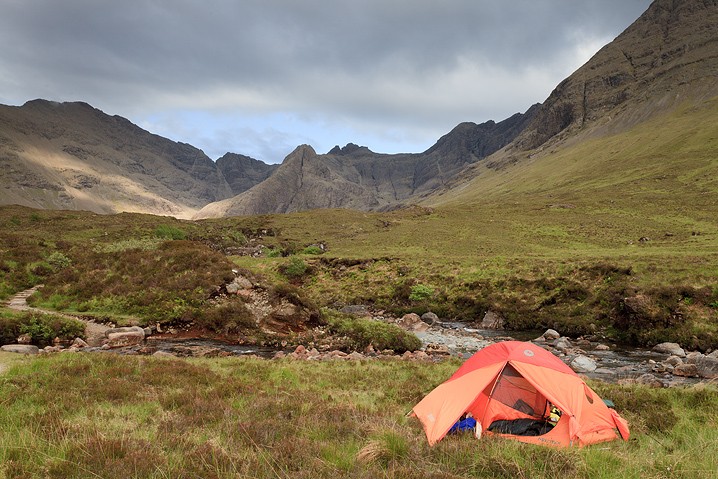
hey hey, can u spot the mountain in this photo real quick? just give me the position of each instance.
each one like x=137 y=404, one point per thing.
x=243 y=172
x=73 y=156
x=633 y=129
x=356 y=177
x=665 y=58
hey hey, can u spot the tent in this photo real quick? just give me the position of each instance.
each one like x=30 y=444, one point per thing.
x=516 y=382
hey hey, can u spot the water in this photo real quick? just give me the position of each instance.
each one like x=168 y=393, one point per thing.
x=199 y=347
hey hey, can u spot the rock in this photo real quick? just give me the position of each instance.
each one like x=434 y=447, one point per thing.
x=693 y=356
x=707 y=367
x=239 y=283
x=649 y=380
x=355 y=356
x=604 y=372
x=124 y=339
x=670 y=348
x=147 y=331
x=492 y=320
x=583 y=364
x=434 y=348
x=356 y=310
x=163 y=354
x=79 y=343
x=430 y=318
x=713 y=355
x=562 y=344
x=125 y=329
x=686 y=370
x=24 y=339
x=412 y=322
x=421 y=355
x=20 y=349
x=673 y=361
x=602 y=347
x=279 y=355
x=551 y=334
x=300 y=350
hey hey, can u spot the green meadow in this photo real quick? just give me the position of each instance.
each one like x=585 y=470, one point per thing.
x=102 y=415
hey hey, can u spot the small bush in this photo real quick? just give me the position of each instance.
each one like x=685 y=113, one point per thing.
x=170 y=232
x=227 y=318
x=42 y=328
x=420 y=292
x=294 y=269
x=360 y=333
x=274 y=253
x=58 y=261
x=312 y=250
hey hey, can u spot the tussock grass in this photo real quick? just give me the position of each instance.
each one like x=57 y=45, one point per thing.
x=83 y=416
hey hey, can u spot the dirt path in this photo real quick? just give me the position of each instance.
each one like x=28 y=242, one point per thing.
x=94 y=332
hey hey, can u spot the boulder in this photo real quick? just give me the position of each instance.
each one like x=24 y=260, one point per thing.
x=239 y=283
x=707 y=367
x=550 y=335
x=649 y=380
x=412 y=322
x=20 y=348
x=714 y=354
x=562 y=344
x=79 y=343
x=163 y=354
x=125 y=329
x=355 y=356
x=602 y=347
x=673 y=361
x=24 y=339
x=125 y=338
x=430 y=318
x=670 y=348
x=693 y=356
x=583 y=364
x=687 y=370
x=492 y=320
x=433 y=348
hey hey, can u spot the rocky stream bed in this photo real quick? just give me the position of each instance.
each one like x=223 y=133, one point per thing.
x=665 y=365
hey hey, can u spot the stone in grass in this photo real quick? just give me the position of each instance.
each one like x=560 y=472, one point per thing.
x=20 y=348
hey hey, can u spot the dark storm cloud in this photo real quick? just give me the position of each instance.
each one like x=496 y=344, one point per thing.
x=413 y=61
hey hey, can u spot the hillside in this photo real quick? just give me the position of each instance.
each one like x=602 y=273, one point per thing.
x=73 y=156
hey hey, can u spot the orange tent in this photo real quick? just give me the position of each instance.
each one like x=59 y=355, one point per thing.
x=515 y=380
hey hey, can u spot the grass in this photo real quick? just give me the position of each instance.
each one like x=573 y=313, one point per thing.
x=81 y=416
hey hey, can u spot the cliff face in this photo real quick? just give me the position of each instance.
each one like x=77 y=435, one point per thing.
x=667 y=56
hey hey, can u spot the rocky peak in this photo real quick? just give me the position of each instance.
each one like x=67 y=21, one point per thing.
x=348 y=150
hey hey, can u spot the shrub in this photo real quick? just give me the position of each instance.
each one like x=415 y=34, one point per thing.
x=420 y=292
x=312 y=250
x=294 y=269
x=170 y=232
x=227 y=318
x=360 y=333
x=58 y=261
x=42 y=328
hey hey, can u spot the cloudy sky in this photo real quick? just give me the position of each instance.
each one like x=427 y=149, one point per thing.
x=260 y=77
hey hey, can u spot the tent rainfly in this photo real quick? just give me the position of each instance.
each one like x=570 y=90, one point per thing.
x=513 y=382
